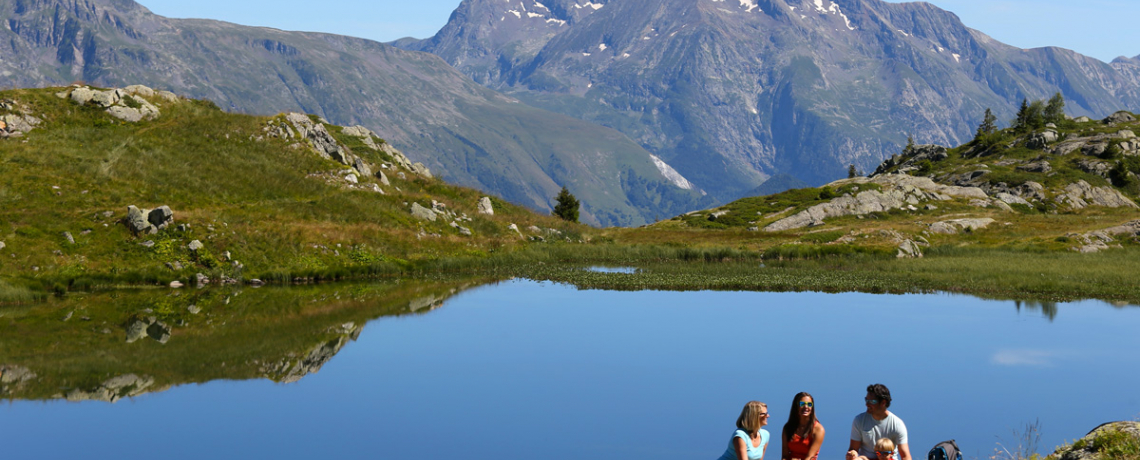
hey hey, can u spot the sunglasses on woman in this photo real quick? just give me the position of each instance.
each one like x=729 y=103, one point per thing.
x=806 y=404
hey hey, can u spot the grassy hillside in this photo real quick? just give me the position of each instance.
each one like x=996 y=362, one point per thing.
x=265 y=204
x=274 y=205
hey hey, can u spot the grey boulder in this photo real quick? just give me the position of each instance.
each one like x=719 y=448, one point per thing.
x=1122 y=116
x=422 y=213
x=485 y=206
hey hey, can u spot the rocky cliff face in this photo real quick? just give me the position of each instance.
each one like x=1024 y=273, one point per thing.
x=732 y=92
x=468 y=134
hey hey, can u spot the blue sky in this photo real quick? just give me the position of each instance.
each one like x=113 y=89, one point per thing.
x=1103 y=29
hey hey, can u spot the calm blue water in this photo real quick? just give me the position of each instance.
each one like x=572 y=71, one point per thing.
x=525 y=369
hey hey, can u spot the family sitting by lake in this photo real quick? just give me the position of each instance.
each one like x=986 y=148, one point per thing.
x=876 y=434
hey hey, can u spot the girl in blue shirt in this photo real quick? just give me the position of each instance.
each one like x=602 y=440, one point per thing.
x=750 y=441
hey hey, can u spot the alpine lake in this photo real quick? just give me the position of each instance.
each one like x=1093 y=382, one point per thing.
x=504 y=369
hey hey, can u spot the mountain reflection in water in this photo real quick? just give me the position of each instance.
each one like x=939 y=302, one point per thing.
x=114 y=345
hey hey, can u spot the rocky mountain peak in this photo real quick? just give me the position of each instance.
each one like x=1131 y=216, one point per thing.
x=732 y=92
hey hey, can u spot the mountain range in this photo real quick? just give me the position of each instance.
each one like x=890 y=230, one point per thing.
x=468 y=134
x=642 y=108
x=733 y=92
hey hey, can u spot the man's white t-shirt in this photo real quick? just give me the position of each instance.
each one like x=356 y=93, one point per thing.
x=869 y=431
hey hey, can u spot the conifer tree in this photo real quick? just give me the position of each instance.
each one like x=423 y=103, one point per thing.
x=987 y=126
x=566 y=207
x=1022 y=116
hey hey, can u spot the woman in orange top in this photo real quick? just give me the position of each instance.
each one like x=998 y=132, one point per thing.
x=803 y=434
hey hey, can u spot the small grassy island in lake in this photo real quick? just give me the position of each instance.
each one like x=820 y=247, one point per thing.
x=1044 y=212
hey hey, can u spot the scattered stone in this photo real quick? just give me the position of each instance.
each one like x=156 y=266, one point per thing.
x=351 y=178
x=1122 y=116
x=1008 y=198
x=422 y=213
x=1038 y=141
x=201 y=280
x=1097 y=167
x=1125 y=134
x=194 y=309
x=465 y=231
x=1082 y=119
x=951 y=227
x=68 y=316
x=67 y=236
x=160 y=217
x=140 y=90
x=176 y=284
x=159 y=331
x=1094 y=150
x=195 y=245
x=256 y=282
x=2 y=245
x=136 y=330
x=147 y=244
x=909 y=249
x=176 y=265
x=515 y=228
x=419 y=168
x=362 y=167
x=383 y=179
x=485 y=206
x=137 y=221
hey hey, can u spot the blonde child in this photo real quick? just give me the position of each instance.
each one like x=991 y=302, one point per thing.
x=885 y=449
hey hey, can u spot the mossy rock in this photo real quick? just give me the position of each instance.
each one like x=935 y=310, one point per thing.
x=1110 y=441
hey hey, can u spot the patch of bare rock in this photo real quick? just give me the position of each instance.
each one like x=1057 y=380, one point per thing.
x=897 y=191
x=132 y=104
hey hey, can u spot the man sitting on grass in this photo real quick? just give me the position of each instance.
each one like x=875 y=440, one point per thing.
x=875 y=424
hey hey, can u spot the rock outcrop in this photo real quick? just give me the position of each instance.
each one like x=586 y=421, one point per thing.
x=293 y=368
x=128 y=104
x=12 y=378
x=18 y=121
x=1099 y=240
x=148 y=327
x=114 y=389
x=1080 y=195
x=898 y=191
x=320 y=139
x=148 y=221
x=1092 y=446
x=302 y=127
x=952 y=227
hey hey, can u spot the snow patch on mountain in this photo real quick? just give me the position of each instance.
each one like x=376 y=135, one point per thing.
x=595 y=6
x=833 y=9
x=675 y=177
